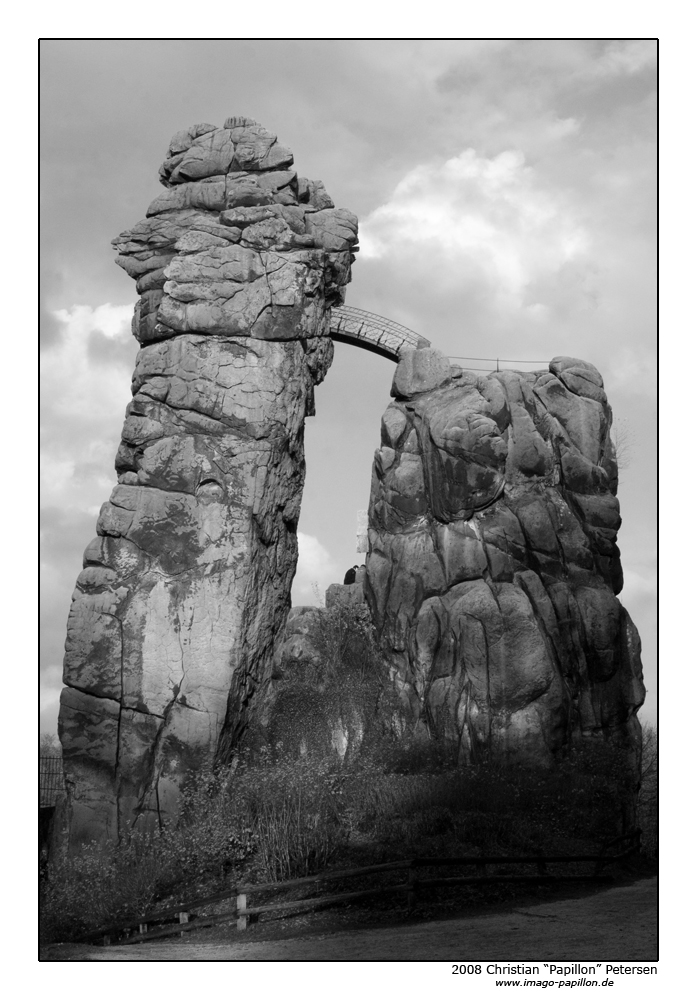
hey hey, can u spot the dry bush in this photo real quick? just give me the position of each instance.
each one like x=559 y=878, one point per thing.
x=49 y=745
x=295 y=811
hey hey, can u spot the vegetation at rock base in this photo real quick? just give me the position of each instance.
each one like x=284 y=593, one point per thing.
x=332 y=779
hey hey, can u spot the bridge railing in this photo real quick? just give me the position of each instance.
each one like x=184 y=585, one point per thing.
x=374 y=332
x=390 y=339
x=497 y=363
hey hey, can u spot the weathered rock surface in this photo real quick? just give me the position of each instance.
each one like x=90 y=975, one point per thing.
x=176 y=611
x=493 y=567
x=348 y=595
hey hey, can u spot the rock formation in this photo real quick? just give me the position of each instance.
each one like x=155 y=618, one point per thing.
x=183 y=591
x=493 y=567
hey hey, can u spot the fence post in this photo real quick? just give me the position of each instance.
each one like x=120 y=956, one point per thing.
x=242 y=919
x=183 y=919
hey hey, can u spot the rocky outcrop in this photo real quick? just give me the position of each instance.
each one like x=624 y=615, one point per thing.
x=348 y=595
x=493 y=567
x=186 y=585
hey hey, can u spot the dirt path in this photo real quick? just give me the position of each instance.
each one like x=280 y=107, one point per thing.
x=615 y=925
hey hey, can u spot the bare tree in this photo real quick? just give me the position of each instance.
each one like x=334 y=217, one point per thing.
x=623 y=441
x=49 y=745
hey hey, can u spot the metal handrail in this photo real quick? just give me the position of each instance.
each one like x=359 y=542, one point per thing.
x=390 y=339
x=376 y=333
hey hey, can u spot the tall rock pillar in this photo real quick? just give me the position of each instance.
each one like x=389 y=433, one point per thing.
x=188 y=581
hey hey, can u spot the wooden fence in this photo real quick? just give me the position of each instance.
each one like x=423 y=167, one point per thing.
x=182 y=917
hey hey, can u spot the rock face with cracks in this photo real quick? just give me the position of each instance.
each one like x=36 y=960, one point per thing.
x=186 y=585
x=493 y=567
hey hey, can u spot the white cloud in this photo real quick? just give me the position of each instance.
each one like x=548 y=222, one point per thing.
x=85 y=383
x=110 y=320
x=316 y=571
x=85 y=379
x=490 y=216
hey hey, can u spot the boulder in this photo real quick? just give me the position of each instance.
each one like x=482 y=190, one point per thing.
x=419 y=371
x=493 y=569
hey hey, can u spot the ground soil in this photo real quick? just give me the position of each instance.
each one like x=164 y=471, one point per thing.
x=550 y=923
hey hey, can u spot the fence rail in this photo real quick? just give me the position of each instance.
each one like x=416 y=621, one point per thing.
x=181 y=917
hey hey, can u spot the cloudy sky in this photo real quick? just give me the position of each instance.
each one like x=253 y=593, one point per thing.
x=505 y=192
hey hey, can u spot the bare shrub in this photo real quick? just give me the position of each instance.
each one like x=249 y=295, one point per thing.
x=49 y=745
x=623 y=442
x=295 y=811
